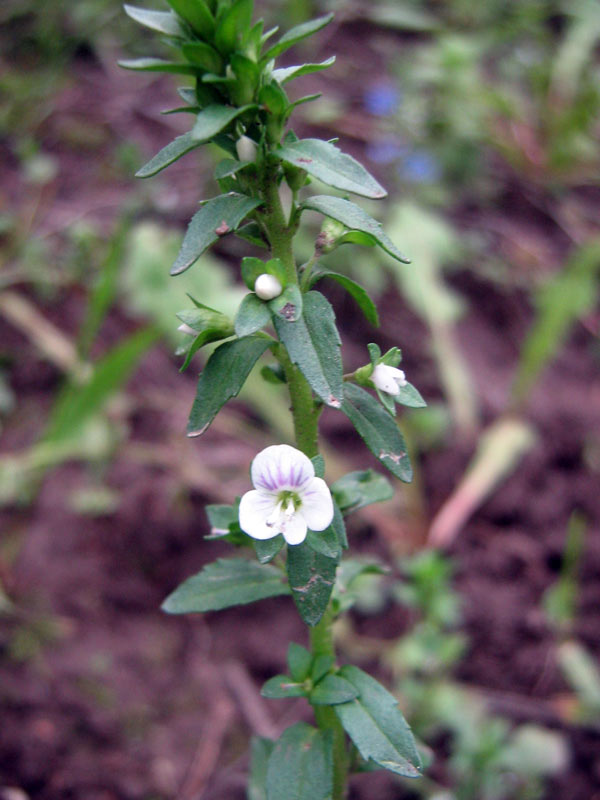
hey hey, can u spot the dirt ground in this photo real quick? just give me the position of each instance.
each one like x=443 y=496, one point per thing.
x=102 y=695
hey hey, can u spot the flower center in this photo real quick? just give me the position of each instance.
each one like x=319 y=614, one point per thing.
x=288 y=503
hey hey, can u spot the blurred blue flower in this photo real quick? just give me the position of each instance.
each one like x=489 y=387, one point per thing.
x=385 y=151
x=382 y=99
x=420 y=167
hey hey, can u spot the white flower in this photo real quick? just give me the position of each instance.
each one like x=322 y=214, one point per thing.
x=185 y=328
x=246 y=149
x=388 y=379
x=267 y=286
x=287 y=497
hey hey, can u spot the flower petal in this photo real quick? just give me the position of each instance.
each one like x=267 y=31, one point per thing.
x=281 y=467
x=255 y=509
x=317 y=505
x=294 y=531
x=388 y=379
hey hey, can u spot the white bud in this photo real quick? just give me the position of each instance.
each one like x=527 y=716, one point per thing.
x=184 y=328
x=246 y=149
x=388 y=379
x=267 y=286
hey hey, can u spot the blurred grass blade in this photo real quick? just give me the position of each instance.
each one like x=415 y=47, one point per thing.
x=581 y=672
x=500 y=450
x=560 y=302
x=560 y=599
x=77 y=404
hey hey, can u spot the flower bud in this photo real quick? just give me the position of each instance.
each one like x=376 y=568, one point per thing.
x=388 y=379
x=246 y=149
x=267 y=286
x=187 y=329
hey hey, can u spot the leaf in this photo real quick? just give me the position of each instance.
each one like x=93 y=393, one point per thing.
x=233 y=25
x=221 y=517
x=158 y=65
x=211 y=326
x=327 y=163
x=366 y=305
x=163 y=22
x=203 y=55
x=299 y=660
x=252 y=234
x=76 y=404
x=282 y=686
x=267 y=549
x=223 y=377
x=173 y=151
x=295 y=35
x=311 y=577
x=214 y=119
x=285 y=74
x=228 y=167
x=288 y=305
x=321 y=666
x=301 y=765
x=345 y=593
x=325 y=542
x=313 y=344
x=378 y=429
x=215 y=218
x=409 y=396
x=260 y=751
x=225 y=583
x=197 y=14
x=353 y=217
x=333 y=690
x=361 y=488
x=376 y=725
x=253 y=314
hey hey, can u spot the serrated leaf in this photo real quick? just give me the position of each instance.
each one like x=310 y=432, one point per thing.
x=158 y=65
x=252 y=315
x=215 y=218
x=172 y=152
x=225 y=583
x=327 y=163
x=299 y=660
x=361 y=488
x=282 y=686
x=311 y=577
x=353 y=217
x=284 y=74
x=366 y=305
x=378 y=430
x=161 y=21
x=376 y=725
x=313 y=344
x=267 y=549
x=333 y=690
x=214 y=119
x=296 y=34
x=288 y=305
x=203 y=55
x=223 y=377
x=197 y=14
x=301 y=765
x=260 y=751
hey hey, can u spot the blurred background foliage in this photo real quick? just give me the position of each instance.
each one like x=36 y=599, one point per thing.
x=483 y=120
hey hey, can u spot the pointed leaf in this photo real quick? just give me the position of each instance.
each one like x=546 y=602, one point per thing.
x=327 y=163
x=366 y=305
x=252 y=234
x=223 y=377
x=378 y=429
x=313 y=343
x=320 y=667
x=361 y=488
x=285 y=74
x=301 y=765
x=252 y=315
x=376 y=725
x=409 y=396
x=311 y=577
x=288 y=306
x=353 y=217
x=267 y=549
x=214 y=119
x=233 y=25
x=172 y=152
x=158 y=65
x=228 y=167
x=215 y=218
x=282 y=686
x=197 y=14
x=325 y=542
x=299 y=660
x=163 y=22
x=295 y=35
x=203 y=55
x=225 y=583
x=333 y=690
